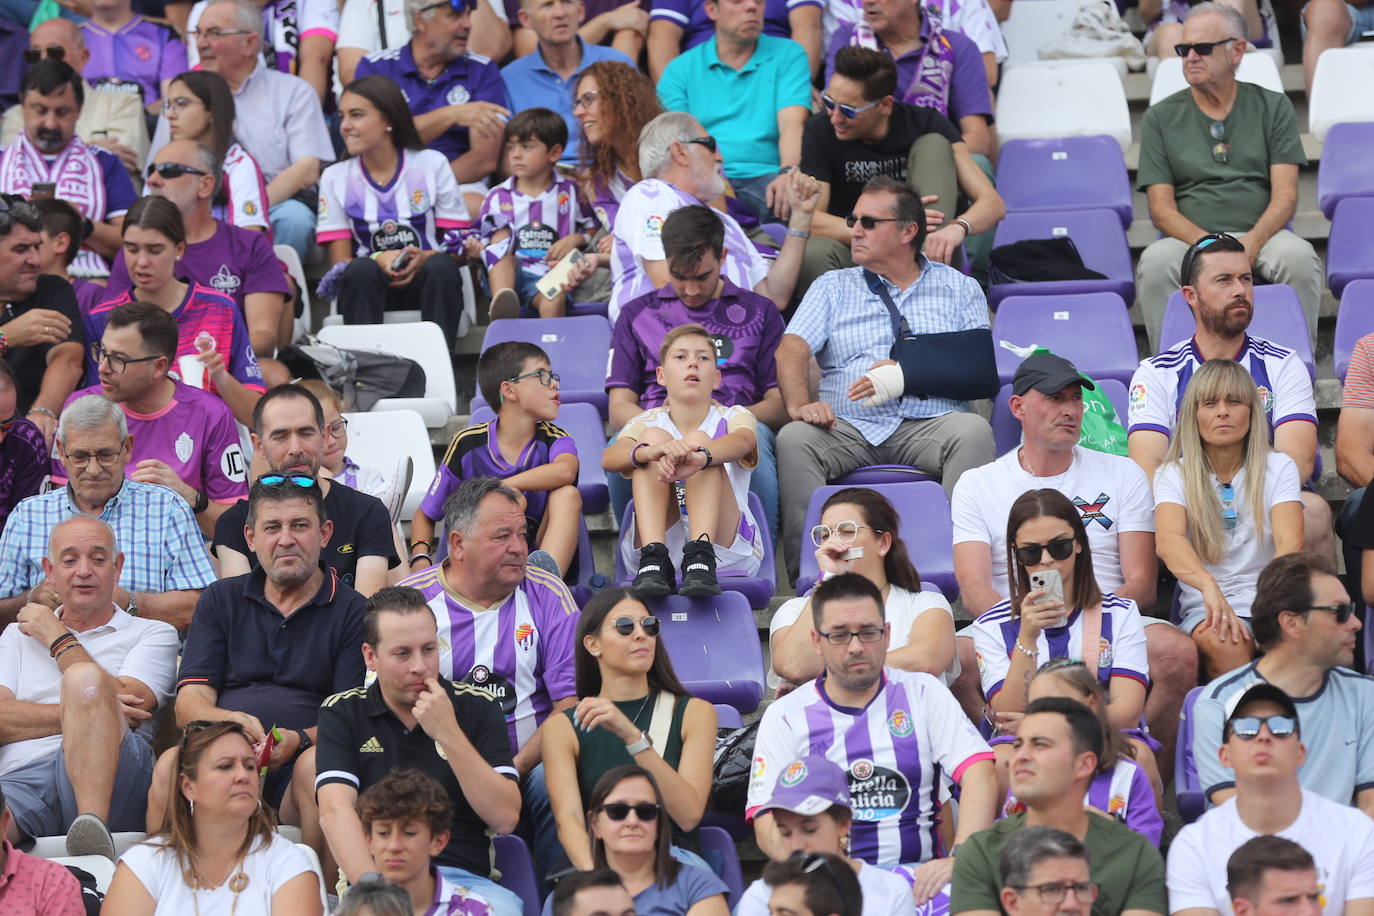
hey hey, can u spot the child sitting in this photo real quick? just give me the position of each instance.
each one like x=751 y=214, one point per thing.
x=63 y=233
x=523 y=447
x=691 y=490
x=533 y=219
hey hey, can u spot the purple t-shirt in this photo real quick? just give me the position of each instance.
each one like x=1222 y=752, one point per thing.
x=233 y=261
x=690 y=16
x=89 y=294
x=23 y=465
x=745 y=327
x=474 y=453
x=968 y=83
x=141 y=54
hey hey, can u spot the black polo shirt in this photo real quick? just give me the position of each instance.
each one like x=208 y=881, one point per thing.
x=31 y=362
x=276 y=668
x=361 y=740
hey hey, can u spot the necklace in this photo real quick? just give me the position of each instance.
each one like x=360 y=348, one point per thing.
x=237 y=883
x=634 y=719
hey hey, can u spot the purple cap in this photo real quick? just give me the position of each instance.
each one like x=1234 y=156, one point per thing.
x=809 y=786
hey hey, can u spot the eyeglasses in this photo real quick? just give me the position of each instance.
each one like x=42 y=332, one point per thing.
x=626 y=625
x=180 y=103
x=1053 y=893
x=304 y=481
x=546 y=378
x=212 y=34
x=1059 y=549
x=844 y=532
x=1195 y=251
x=707 y=141
x=869 y=222
x=117 y=363
x=1247 y=728
x=849 y=111
x=585 y=99
x=1221 y=150
x=106 y=458
x=845 y=637
x=53 y=52
x=618 y=811
x=1203 y=48
x=1343 y=612
x=173 y=169
x=338 y=429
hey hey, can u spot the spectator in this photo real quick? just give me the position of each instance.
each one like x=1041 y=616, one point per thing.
x=210 y=327
x=34 y=885
x=1053 y=865
x=864 y=132
x=389 y=197
x=521 y=446
x=1219 y=288
x=131 y=54
x=1221 y=156
x=1219 y=486
x=411 y=716
x=812 y=885
x=192 y=100
x=677 y=26
x=843 y=320
x=286 y=132
x=219 y=843
x=1328 y=24
x=63 y=230
x=1355 y=461
x=24 y=458
x=745 y=328
x=1268 y=874
x=183 y=438
x=497 y=29
x=297 y=38
x=592 y=893
x=544 y=77
x=1305 y=627
x=1164 y=21
x=715 y=526
x=973 y=18
x=681 y=167
x=288 y=431
x=612 y=104
x=1054 y=760
x=456 y=96
x=769 y=84
x=336 y=464
x=633 y=710
x=930 y=740
x=372 y=896
x=814 y=814
x=165 y=564
x=1261 y=745
x=857 y=519
x=79 y=687
x=533 y=219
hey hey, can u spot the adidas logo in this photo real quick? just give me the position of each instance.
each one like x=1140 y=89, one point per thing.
x=371 y=746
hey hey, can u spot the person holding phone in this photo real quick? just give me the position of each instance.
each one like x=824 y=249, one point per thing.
x=1056 y=610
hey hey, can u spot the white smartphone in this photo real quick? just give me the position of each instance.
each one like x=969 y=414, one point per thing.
x=1053 y=585
x=551 y=283
x=853 y=553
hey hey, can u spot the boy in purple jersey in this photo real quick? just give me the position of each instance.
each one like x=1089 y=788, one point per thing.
x=130 y=53
x=522 y=447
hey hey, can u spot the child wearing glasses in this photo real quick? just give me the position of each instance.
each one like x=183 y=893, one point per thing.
x=522 y=446
x=1226 y=503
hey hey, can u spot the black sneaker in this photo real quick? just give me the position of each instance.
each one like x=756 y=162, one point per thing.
x=699 y=569
x=655 y=578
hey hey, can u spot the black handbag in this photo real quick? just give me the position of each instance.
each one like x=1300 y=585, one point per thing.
x=1038 y=261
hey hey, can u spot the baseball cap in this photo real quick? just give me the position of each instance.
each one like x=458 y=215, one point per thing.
x=809 y=786
x=1046 y=373
x=1256 y=692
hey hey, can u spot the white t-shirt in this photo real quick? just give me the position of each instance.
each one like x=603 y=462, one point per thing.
x=1111 y=492
x=1340 y=839
x=358 y=24
x=267 y=868
x=885 y=893
x=1246 y=555
x=902 y=611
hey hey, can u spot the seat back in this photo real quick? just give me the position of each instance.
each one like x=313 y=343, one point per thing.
x=1350 y=249
x=99 y=867
x=1344 y=169
x=714 y=645
x=514 y=862
x=1191 y=801
x=1255 y=67
x=1334 y=98
x=1072 y=101
x=1031 y=27
x=1278 y=317
x=319 y=873
x=1091 y=330
x=423 y=342
x=384 y=439
x=584 y=424
x=1353 y=321
x=576 y=348
x=1099 y=238
x=1064 y=173
x=718 y=849
x=728 y=716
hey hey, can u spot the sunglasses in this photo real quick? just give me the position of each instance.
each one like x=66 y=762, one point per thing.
x=707 y=141
x=173 y=169
x=1247 y=728
x=1221 y=150
x=1228 y=505
x=849 y=111
x=1343 y=612
x=1059 y=549
x=1196 y=249
x=1203 y=48
x=626 y=625
x=34 y=55
x=869 y=222
x=618 y=811
x=304 y=481
x=459 y=7
x=812 y=862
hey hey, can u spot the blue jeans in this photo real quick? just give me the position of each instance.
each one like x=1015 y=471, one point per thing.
x=293 y=223
x=753 y=193
x=503 y=902
x=537 y=825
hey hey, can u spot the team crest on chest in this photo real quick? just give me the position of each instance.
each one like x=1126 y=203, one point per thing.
x=900 y=724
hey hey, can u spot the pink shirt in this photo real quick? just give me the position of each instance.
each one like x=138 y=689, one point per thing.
x=37 y=887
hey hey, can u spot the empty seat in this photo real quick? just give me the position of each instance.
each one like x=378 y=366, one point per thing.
x=1191 y=801
x=1336 y=96
x=1006 y=429
x=1029 y=30
x=714 y=645
x=1257 y=67
x=1350 y=250
x=1083 y=100
x=728 y=716
x=1066 y=173
x=583 y=423
x=319 y=873
x=385 y=440
x=423 y=342
x=718 y=849
x=514 y=862
x=1344 y=170
x=1099 y=238
x=1278 y=317
x=577 y=349
x=1091 y=330
x=1355 y=320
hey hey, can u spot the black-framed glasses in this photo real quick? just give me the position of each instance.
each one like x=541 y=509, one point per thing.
x=1054 y=892
x=869 y=222
x=304 y=481
x=106 y=458
x=1059 y=549
x=1221 y=150
x=546 y=378
x=173 y=169
x=459 y=7
x=52 y=52
x=1203 y=48
x=647 y=812
x=1229 y=518
x=117 y=363
x=1196 y=249
x=845 y=637
x=338 y=429
x=1247 y=728
x=626 y=625
x=1343 y=612
x=844 y=532
x=212 y=34
x=849 y=111
x=707 y=141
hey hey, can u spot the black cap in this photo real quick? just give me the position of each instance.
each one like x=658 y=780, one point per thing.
x=1047 y=374
x=1256 y=692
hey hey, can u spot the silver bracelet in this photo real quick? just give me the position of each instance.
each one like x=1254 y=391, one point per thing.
x=1024 y=651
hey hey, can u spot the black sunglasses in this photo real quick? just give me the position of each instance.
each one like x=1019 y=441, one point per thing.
x=1059 y=549
x=34 y=55
x=1203 y=48
x=869 y=222
x=173 y=169
x=626 y=625
x=707 y=141
x=1247 y=728
x=304 y=481
x=618 y=811
x=1343 y=612
x=812 y=862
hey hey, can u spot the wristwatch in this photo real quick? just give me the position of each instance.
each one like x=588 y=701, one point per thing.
x=132 y=609
x=202 y=502
x=638 y=747
x=306 y=743
x=710 y=459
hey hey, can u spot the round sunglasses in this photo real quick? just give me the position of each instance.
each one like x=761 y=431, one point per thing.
x=626 y=625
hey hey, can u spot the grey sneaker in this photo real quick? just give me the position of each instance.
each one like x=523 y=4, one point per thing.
x=505 y=304
x=544 y=560
x=88 y=836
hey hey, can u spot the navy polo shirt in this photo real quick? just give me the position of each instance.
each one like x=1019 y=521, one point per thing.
x=470 y=78
x=531 y=84
x=276 y=668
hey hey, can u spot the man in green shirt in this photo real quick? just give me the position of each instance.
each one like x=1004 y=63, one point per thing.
x=1221 y=156
x=1054 y=759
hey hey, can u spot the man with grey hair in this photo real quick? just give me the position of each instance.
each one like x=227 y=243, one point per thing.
x=1045 y=872
x=79 y=687
x=682 y=167
x=1221 y=156
x=165 y=564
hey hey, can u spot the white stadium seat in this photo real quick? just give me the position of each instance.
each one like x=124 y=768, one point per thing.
x=1341 y=89
x=1258 y=68
x=1032 y=26
x=384 y=440
x=423 y=342
x=1078 y=101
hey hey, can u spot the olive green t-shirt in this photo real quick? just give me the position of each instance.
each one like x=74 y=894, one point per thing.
x=1176 y=148
x=1129 y=869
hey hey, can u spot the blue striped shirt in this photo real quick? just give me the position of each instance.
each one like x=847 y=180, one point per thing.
x=849 y=329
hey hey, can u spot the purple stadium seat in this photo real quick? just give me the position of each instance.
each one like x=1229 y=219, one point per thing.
x=881 y=473
x=1072 y=173
x=728 y=716
x=1278 y=317
x=589 y=308
x=758 y=590
x=1350 y=249
x=1100 y=240
x=583 y=423
x=1353 y=321
x=926 y=529
x=714 y=645
x=576 y=348
x=517 y=871
x=1091 y=330
x=1191 y=801
x=718 y=849
x=1006 y=431
x=1344 y=170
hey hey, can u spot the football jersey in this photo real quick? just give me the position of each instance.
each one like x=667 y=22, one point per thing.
x=474 y=453
x=1123 y=793
x=897 y=751
x=140 y=54
x=418 y=205
x=284 y=24
x=535 y=223
x=245 y=192
x=520 y=650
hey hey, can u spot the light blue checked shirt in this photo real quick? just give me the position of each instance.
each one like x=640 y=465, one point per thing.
x=849 y=329
x=163 y=548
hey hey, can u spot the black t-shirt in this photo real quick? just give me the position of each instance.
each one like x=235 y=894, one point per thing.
x=847 y=165
x=361 y=740
x=362 y=528
x=29 y=363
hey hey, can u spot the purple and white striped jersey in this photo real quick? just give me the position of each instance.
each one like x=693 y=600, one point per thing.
x=520 y=650
x=897 y=751
x=418 y=205
x=535 y=223
x=1122 y=793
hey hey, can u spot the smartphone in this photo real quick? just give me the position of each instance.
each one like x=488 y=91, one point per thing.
x=853 y=553
x=42 y=190
x=552 y=282
x=1053 y=585
x=401 y=261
